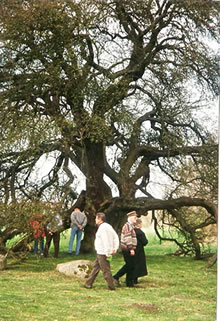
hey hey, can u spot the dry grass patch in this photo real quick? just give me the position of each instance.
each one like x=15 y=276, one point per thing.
x=151 y=308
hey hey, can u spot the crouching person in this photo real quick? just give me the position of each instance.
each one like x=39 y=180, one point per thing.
x=106 y=244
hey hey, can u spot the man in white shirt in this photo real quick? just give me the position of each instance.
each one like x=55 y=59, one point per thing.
x=106 y=244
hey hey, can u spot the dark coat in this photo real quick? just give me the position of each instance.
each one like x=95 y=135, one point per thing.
x=140 y=258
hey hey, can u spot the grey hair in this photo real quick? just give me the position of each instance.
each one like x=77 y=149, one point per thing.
x=101 y=216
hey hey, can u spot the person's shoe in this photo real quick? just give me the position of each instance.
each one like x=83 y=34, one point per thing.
x=86 y=286
x=133 y=286
x=116 y=281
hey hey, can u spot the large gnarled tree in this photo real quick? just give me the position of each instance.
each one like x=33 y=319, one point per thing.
x=110 y=86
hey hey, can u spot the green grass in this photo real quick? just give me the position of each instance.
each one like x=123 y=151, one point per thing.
x=176 y=289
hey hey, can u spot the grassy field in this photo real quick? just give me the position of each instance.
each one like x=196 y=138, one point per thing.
x=176 y=289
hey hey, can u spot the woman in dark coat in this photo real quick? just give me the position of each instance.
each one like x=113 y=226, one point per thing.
x=140 y=258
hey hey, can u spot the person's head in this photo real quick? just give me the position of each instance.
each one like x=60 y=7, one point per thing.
x=138 y=223
x=76 y=209
x=132 y=217
x=99 y=218
x=38 y=217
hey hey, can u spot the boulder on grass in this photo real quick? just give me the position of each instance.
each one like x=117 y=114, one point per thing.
x=79 y=268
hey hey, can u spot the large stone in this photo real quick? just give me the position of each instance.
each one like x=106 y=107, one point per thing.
x=79 y=268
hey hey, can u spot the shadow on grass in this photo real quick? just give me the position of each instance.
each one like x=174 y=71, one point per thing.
x=37 y=263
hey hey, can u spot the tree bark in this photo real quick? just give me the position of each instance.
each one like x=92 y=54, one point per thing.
x=97 y=191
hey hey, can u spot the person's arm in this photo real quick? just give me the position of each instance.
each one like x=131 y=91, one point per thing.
x=128 y=239
x=142 y=238
x=133 y=241
x=115 y=242
x=83 y=224
x=107 y=239
x=73 y=219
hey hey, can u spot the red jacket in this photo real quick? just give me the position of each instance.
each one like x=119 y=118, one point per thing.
x=38 y=229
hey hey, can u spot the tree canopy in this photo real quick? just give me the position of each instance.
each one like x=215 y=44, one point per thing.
x=111 y=87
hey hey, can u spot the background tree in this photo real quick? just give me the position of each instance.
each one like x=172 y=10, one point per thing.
x=110 y=86
x=188 y=226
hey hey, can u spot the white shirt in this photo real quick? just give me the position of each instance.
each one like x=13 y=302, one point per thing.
x=106 y=240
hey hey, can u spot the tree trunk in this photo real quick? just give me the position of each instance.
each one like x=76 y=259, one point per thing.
x=96 y=190
x=87 y=244
x=196 y=246
x=3 y=262
x=212 y=260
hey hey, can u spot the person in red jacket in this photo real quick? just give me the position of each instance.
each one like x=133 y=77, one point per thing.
x=38 y=232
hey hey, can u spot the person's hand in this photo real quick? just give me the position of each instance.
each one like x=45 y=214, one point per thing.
x=114 y=252
x=132 y=252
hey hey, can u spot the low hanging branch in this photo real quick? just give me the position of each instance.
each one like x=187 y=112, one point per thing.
x=143 y=204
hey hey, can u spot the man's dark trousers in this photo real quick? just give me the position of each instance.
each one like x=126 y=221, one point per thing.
x=127 y=269
x=56 y=242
